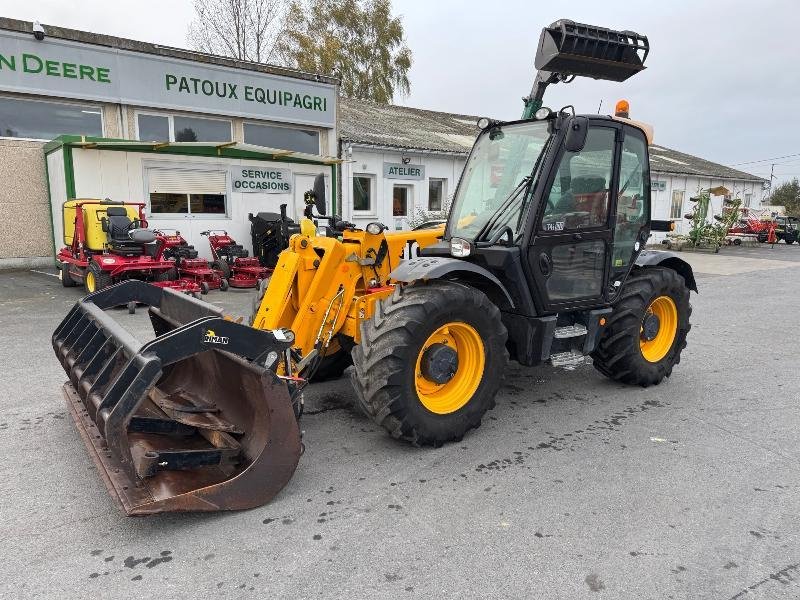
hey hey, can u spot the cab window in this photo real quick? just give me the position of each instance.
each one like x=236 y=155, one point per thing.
x=579 y=195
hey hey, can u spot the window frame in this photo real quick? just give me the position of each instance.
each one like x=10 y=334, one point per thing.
x=443 y=181
x=245 y=123
x=672 y=204
x=373 y=188
x=79 y=105
x=147 y=166
x=171 y=121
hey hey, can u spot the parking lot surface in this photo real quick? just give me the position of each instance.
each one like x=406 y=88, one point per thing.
x=573 y=487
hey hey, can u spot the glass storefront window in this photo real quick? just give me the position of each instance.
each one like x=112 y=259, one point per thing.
x=43 y=120
x=285 y=138
x=194 y=129
x=153 y=128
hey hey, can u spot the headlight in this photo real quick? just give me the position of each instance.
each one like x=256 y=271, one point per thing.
x=375 y=228
x=543 y=113
x=460 y=248
x=483 y=123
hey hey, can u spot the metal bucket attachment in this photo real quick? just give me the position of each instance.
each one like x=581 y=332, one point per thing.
x=192 y=420
x=571 y=48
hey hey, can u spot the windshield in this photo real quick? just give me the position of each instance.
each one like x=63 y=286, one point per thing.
x=494 y=181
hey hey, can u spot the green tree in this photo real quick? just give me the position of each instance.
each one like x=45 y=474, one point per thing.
x=358 y=41
x=787 y=194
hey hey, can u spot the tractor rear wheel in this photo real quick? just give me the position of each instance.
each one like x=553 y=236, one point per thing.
x=96 y=279
x=64 y=276
x=430 y=361
x=644 y=336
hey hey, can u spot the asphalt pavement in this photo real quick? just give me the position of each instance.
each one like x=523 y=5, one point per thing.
x=573 y=487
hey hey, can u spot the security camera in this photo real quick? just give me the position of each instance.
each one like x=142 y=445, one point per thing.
x=38 y=31
x=406 y=160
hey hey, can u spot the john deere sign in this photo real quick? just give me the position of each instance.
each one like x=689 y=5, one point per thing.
x=72 y=70
x=400 y=171
x=265 y=180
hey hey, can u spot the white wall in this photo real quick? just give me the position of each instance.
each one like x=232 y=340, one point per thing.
x=121 y=175
x=369 y=161
x=690 y=185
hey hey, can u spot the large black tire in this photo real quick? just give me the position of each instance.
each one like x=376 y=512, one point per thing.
x=223 y=267
x=762 y=237
x=385 y=361
x=102 y=279
x=64 y=276
x=334 y=363
x=259 y=296
x=168 y=275
x=619 y=354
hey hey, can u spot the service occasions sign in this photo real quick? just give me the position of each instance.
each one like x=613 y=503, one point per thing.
x=67 y=69
x=264 y=180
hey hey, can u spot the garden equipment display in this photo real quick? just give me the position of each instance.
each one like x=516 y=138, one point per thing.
x=190 y=269
x=232 y=260
x=541 y=260
x=762 y=228
x=270 y=233
x=106 y=242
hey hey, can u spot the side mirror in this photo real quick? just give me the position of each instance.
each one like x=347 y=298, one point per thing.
x=577 y=127
x=319 y=194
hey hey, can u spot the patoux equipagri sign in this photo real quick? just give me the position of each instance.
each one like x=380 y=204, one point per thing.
x=68 y=69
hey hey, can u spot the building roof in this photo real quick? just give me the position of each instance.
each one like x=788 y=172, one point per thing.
x=402 y=127
x=157 y=49
x=666 y=160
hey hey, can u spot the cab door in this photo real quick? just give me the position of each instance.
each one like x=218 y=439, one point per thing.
x=572 y=242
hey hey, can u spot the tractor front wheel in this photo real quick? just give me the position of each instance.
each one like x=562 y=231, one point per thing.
x=430 y=361
x=96 y=278
x=644 y=336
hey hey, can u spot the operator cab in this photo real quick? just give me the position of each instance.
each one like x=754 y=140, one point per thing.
x=565 y=196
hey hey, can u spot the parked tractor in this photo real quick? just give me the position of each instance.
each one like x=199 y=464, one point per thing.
x=541 y=260
x=107 y=242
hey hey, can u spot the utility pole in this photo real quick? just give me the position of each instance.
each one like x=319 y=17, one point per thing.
x=771 y=176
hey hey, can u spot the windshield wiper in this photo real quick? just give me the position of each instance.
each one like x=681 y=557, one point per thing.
x=495 y=216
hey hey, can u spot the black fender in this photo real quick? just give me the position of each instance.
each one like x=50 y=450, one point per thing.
x=424 y=268
x=662 y=258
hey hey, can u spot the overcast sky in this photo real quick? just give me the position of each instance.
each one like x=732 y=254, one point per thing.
x=723 y=77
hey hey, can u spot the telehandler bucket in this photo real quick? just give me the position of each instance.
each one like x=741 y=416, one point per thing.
x=192 y=420
x=573 y=48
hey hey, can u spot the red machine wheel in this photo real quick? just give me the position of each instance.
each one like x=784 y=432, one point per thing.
x=204 y=288
x=64 y=276
x=223 y=284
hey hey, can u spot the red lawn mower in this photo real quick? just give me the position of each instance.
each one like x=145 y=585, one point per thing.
x=188 y=267
x=232 y=260
x=107 y=242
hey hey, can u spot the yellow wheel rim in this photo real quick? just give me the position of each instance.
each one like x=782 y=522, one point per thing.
x=657 y=348
x=448 y=397
x=91 y=282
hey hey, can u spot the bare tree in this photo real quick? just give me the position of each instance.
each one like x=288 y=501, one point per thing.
x=242 y=29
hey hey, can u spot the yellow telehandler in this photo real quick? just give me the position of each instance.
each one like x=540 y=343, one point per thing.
x=541 y=259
